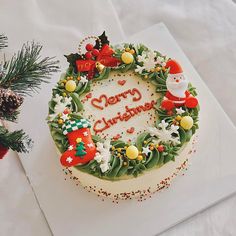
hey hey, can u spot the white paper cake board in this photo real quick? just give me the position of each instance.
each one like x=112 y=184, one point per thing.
x=70 y=210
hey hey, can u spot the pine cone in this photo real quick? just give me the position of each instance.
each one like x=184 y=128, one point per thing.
x=9 y=101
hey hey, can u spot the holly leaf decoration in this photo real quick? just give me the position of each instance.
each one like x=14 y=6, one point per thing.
x=104 y=40
x=72 y=58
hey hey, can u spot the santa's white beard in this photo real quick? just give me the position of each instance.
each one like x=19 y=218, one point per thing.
x=177 y=89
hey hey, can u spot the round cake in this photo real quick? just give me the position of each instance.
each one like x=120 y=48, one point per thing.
x=123 y=118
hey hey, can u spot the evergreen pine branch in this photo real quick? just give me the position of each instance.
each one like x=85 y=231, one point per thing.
x=27 y=70
x=3 y=41
x=9 y=116
x=17 y=141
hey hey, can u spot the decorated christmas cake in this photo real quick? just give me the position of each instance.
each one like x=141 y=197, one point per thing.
x=123 y=118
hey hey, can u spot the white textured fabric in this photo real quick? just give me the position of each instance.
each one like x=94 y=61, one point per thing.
x=206 y=31
x=19 y=211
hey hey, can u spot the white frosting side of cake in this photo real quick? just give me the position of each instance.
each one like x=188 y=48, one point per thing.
x=148 y=183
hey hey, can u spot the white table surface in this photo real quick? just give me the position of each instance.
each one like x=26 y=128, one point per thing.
x=204 y=30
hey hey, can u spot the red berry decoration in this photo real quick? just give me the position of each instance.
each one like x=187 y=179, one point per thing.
x=89 y=47
x=95 y=52
x=161 y=148
x=88 y=55
x=66 y=111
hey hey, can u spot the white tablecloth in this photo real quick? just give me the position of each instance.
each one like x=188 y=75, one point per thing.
x=206 y=31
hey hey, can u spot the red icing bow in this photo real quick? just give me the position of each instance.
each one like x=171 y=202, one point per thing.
x=105 y=58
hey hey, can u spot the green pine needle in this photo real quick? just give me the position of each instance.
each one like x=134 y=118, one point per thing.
x=17 y=141
x=27 y=70
x=9 y=117
x=3 y=41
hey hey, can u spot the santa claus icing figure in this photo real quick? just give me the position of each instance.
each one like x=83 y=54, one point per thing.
x=177 y=84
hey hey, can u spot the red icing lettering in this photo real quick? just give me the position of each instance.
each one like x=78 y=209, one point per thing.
x=112 y=100
x=135 y=91
x=96 y=101
x=103 y=101
x=103 y=124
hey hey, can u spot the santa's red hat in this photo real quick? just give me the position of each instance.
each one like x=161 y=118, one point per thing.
x=175 y=67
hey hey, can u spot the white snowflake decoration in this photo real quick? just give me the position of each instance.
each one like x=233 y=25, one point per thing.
x=149 y=60
x=69 y=159
x=119 y=46
x=142 y=58
x=103 y=155
x=83 y=80
x=165 y=134
x=139 y=69
x=146 y=150
x=61 y=105
x=90 y=145
x=161 y=60
x=179 y=111
x=64 y=117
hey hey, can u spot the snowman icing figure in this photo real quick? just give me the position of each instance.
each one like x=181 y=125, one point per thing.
x=177 y=89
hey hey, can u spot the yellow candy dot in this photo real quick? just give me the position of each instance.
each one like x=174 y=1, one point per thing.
x=64 y=94
x=69 y=77
x=140 y=158
x=127 y=49
x=60 y=122
x=118 y=149
x=178 y=117
x=132 y=152
x=186 y=122
x=70 y=86
x=78 y=140
x=127 y=57
x=132 y=51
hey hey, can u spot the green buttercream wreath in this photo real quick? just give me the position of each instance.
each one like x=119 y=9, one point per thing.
x=156 y=146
